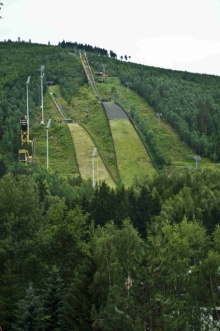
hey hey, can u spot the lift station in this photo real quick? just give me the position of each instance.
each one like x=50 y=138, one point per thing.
x=23 y=154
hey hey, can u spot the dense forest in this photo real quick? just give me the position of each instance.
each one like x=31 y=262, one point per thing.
x=139 y=258
x=77 y=258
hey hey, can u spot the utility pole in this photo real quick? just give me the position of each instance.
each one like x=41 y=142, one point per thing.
x=42 y=92
x=159 y=115
x=197 y=158
x=28 y=127
x=47 y=129
x=103 y=75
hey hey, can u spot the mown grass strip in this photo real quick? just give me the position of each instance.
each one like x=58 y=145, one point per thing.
x=84 y=147
x=133 y=160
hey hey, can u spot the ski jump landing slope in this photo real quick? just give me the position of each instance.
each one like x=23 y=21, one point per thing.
x=84 y=147
x=132 y=158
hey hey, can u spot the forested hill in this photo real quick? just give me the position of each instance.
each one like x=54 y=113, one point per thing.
x=189 y=102
x=18 y=61
x=84 y=258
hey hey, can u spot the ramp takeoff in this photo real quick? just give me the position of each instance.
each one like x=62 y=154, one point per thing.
x=89 y=74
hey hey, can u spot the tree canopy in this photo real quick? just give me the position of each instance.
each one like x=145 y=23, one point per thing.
x=141 y=260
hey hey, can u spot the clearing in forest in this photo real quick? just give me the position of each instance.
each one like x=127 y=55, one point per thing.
x=132 y=158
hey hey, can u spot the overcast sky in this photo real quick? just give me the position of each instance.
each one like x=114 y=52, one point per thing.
x=175 y=34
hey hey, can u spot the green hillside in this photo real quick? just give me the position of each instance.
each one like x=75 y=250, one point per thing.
x=189 y=102
x=84 y=147
x=112 y=225
x=85 y=110
x=162 y=142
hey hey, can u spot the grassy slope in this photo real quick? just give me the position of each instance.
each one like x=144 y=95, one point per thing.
x=85 y=109
x=133 y=161
x=61 y=150
x=84 y=147
x=64 y=140
x=175 y=150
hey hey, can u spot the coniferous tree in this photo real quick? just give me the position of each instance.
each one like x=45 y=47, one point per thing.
x=77 y=299
x=117 y=253
x=29 y=312
x=53 y=302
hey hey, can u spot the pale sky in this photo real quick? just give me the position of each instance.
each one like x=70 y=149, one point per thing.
x=174 y=34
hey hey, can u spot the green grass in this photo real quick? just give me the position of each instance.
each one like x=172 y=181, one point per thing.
x=86 y=110
x=61 y=150
x=133 y=160
x=83 y=109
x=84 y=147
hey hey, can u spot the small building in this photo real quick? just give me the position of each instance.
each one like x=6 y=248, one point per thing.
x=23 y=156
